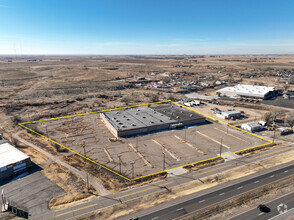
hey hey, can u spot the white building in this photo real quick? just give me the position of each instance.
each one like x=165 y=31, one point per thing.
x=12 y=160
x=247 y=91
x=253 y=126
x=232 y=114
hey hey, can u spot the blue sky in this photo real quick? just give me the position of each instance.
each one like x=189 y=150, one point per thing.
x=146 y=27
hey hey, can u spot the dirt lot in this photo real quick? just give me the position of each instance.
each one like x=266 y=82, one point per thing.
x=56 y=86
x=88 y=136
x=251 y=114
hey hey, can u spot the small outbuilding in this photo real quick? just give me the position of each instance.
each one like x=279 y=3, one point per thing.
x=231 y=114
x=12 y=160
x=252 y=126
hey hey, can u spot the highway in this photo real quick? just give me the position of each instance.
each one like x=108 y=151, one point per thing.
x=163 y=185
x=278 y=206
x=196 y=205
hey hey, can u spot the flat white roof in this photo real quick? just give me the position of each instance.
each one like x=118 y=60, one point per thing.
x=248 y=89
x=10 y=155
x=252 y=124
x=232 y=112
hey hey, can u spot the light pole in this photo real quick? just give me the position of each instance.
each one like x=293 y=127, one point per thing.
x=221 y=146
x=163 y=165
x=274 y=133
x=119 y=159
x=87 y=177
x=133 y=174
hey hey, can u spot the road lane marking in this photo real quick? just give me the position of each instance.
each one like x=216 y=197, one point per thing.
x=167 y=183
x=280 y=214
x=267 y=202
x=154 y=187
x=240 y=187
x=201 y=201
x=179 y=209
x=286 y=171
x=221 y=194
x=272 y=176
x=260 y=213
x=238 y=195
x=75 y=210
x=155 y=218
x=256 y=181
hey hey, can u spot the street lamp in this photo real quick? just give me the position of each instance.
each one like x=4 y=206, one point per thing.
x=221 y=146
x=274 y=133
x=87 y=176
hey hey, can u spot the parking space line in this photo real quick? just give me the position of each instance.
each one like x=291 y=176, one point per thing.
x=164 y=148
x=212 y=139
x=248 y=142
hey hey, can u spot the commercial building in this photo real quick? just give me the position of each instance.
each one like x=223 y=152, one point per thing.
x=231 y=114
x=143 y=120
x=12 y=160
x=247 y=91
x=253 y=126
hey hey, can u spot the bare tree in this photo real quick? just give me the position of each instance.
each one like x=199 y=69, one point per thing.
x=278 y=113
x=273 y=115
x=290 y=119
x=268 y=117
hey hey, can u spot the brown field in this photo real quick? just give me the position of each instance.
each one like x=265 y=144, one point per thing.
x=48 y=86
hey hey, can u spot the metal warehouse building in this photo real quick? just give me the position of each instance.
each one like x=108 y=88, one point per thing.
x=247 y=91
x=147 y=119
x=12 y=160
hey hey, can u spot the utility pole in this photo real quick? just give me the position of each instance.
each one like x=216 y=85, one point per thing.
x=163 y=165
x=84 y=145
x=133 y=174
x=119 y=159
x=274 y=133
x=221 y=146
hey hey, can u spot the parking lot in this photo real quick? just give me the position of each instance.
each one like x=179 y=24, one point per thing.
x=31 y=193
x=151 y=153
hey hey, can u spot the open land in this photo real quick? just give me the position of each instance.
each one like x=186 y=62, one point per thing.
x=38 y=87
x=88 y=136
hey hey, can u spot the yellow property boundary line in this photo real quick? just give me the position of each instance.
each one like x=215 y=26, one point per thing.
x=207 y=116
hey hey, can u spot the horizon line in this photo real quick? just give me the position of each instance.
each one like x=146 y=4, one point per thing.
x=241 y=54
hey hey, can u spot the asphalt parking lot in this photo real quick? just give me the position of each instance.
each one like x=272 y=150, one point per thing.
x=87 y=135
x=31 y=193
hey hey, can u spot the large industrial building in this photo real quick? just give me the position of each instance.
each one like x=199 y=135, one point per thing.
x=12 y=160
x=142 y=120
x=247 y=91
